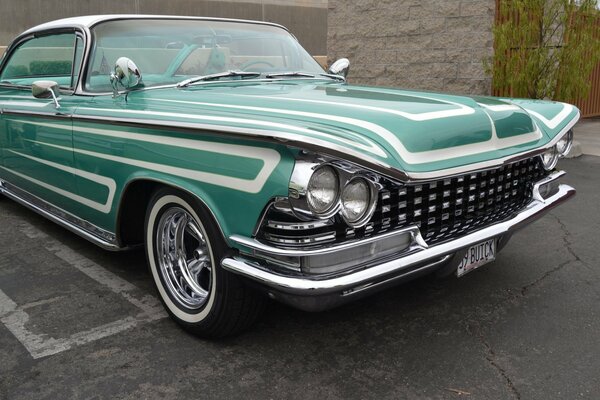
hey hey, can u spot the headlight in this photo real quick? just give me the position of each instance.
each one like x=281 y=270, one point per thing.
x=550 y=158
x=357 y=202
x=323 y=190
x=563 y=146
x=319 y=190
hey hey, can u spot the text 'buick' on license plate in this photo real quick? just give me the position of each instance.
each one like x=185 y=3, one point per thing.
x=476 y=256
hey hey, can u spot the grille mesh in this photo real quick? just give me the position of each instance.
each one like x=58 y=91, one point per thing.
x=442 y=209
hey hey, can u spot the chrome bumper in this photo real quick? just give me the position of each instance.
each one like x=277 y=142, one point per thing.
x=314 y=292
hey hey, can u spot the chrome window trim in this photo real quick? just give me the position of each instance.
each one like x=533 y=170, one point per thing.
x=77 y=30
x=80 y=90
x=84 y=26
x=90 y=21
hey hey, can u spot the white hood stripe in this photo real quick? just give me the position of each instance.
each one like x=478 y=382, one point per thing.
x=494 y=143
x=419 y=117
x=557 y=120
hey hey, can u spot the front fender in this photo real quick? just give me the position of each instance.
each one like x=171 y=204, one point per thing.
x=552 y=117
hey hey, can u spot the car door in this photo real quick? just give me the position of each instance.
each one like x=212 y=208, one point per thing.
x=35 y=134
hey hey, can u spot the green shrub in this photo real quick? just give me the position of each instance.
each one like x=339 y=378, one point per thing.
x=545 y=49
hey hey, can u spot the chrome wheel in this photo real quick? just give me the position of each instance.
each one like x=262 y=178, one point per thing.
x=184 y=258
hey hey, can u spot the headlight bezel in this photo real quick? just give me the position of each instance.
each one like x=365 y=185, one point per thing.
x=298 y=193
x=371 y=203
x=569 y=136
x=333 y=204
x=549 y=166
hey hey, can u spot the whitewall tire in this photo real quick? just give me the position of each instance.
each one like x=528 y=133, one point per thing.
x=184 y=248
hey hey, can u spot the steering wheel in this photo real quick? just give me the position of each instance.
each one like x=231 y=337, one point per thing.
x=252 y=63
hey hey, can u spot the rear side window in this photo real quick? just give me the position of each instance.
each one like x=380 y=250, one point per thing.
x=51 y=57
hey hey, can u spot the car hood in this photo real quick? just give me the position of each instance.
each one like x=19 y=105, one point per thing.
x=406 y=130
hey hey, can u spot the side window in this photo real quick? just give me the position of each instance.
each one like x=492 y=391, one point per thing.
x=52 y=57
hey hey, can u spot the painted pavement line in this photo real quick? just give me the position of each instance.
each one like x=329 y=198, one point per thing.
x=15 y=318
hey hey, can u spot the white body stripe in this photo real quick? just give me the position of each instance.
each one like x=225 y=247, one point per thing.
x=102 y=180
x=369 y=146
x=419 y=117
x=500 y=107
x=554 y=122
x=92 y=204
x=246 y=185
x=269 y=157
x=494 y=143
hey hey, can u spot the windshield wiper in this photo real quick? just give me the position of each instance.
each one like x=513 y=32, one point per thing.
x=304 y=75
x=211 y=77
x=333 y=76
x=290 y=74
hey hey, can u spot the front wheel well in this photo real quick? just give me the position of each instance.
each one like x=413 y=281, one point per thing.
x=134 y=203
x=132 y=212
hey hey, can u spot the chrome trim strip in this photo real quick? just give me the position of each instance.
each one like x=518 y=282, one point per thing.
x=307 y=286
x=375 y=285
x=100 y=237
x=316 y=145
x=31 y=33
x=299 y=226
x=255 y=245
x=90 y=21
x=550 y=178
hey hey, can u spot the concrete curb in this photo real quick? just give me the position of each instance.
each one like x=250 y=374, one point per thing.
x=575 y=150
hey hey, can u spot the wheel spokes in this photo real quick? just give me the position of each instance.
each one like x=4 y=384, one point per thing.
x=187 y=272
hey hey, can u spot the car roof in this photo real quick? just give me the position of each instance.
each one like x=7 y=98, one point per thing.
x=88 y=21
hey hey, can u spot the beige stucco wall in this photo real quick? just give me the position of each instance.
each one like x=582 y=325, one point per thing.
x=429 y=45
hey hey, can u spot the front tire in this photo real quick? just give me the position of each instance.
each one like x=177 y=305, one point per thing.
x=184 y=248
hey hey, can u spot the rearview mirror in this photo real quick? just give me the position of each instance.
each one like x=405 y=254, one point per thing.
x=340 y=67
x=126 y=74
x=46 y=90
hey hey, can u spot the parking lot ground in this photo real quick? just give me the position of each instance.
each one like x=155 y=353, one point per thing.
x=78 y=322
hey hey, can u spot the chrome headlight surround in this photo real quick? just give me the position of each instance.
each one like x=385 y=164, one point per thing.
x=323 y=187
x=565 y=143
x=303 y=180
x=549 y=158
x=370 y=193
x=298 y=191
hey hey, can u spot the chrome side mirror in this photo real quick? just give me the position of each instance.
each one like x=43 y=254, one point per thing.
x=46 y=90
x=126 y=74
x=340 y=67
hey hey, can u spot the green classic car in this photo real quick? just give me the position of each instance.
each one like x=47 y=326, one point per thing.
x=248 y=172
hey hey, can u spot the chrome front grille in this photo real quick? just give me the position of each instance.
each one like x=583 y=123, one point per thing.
x=442 y=209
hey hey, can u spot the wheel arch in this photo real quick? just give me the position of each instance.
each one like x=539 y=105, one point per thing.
x=134 y=200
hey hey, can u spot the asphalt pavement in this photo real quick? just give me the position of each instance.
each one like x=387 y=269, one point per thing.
x=77 y=322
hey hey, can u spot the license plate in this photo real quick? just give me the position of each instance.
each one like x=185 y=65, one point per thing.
x=476 y=256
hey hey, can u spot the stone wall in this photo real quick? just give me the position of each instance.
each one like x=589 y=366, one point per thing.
x=307 y=19
x=428 y=45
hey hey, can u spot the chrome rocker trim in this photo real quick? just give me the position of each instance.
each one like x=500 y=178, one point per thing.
x=314 y=293
x=100 y=237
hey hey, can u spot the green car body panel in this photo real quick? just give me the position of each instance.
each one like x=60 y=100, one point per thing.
x=215 y=140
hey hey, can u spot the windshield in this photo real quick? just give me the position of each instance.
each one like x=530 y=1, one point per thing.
x=168 y=51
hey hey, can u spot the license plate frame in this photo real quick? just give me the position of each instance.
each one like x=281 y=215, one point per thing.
x=476 y=256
